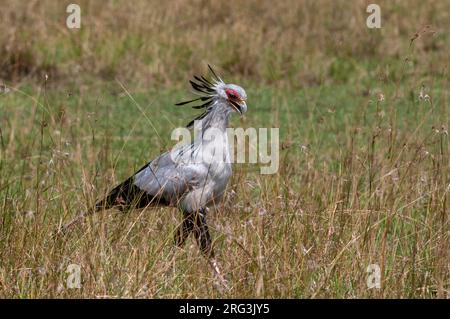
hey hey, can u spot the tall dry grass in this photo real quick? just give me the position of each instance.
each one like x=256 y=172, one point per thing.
x=287 y=43
x=364 y=168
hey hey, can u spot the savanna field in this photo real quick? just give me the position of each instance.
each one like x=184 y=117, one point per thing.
x=364 y=170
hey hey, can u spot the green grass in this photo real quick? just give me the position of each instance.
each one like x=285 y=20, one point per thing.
x=363 y=191
x=364 y=163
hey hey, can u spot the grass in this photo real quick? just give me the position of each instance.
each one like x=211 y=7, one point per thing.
x=364 y=163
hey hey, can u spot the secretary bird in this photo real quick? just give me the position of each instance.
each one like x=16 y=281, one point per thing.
x=192 y=176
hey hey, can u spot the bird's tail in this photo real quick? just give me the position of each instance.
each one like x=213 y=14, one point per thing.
x=121 y=196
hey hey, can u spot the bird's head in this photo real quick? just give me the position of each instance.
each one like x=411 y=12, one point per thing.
x=234 y=95
x=216 y=90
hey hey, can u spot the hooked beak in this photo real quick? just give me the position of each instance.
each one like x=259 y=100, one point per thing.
x=239 y=106
x=243 y=107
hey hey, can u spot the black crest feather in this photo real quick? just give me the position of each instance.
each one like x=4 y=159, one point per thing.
x=206 y=88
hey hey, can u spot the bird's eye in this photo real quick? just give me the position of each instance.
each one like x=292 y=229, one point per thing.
x=231 y=94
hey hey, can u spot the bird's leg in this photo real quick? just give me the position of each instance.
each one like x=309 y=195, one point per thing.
x=184 y=230
x=195 y=222
x=201 y=233
x=203 y=238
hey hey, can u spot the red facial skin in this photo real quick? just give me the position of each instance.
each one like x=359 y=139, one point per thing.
x=232 y=95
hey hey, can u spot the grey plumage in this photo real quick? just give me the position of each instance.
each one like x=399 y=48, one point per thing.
x=190 y=176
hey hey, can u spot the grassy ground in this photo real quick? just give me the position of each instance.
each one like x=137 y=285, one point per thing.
x=364 y=165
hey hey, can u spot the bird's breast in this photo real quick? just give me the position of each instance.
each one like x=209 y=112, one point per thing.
x=211 y=160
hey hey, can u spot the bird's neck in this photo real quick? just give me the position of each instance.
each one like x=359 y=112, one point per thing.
x=217 y=118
